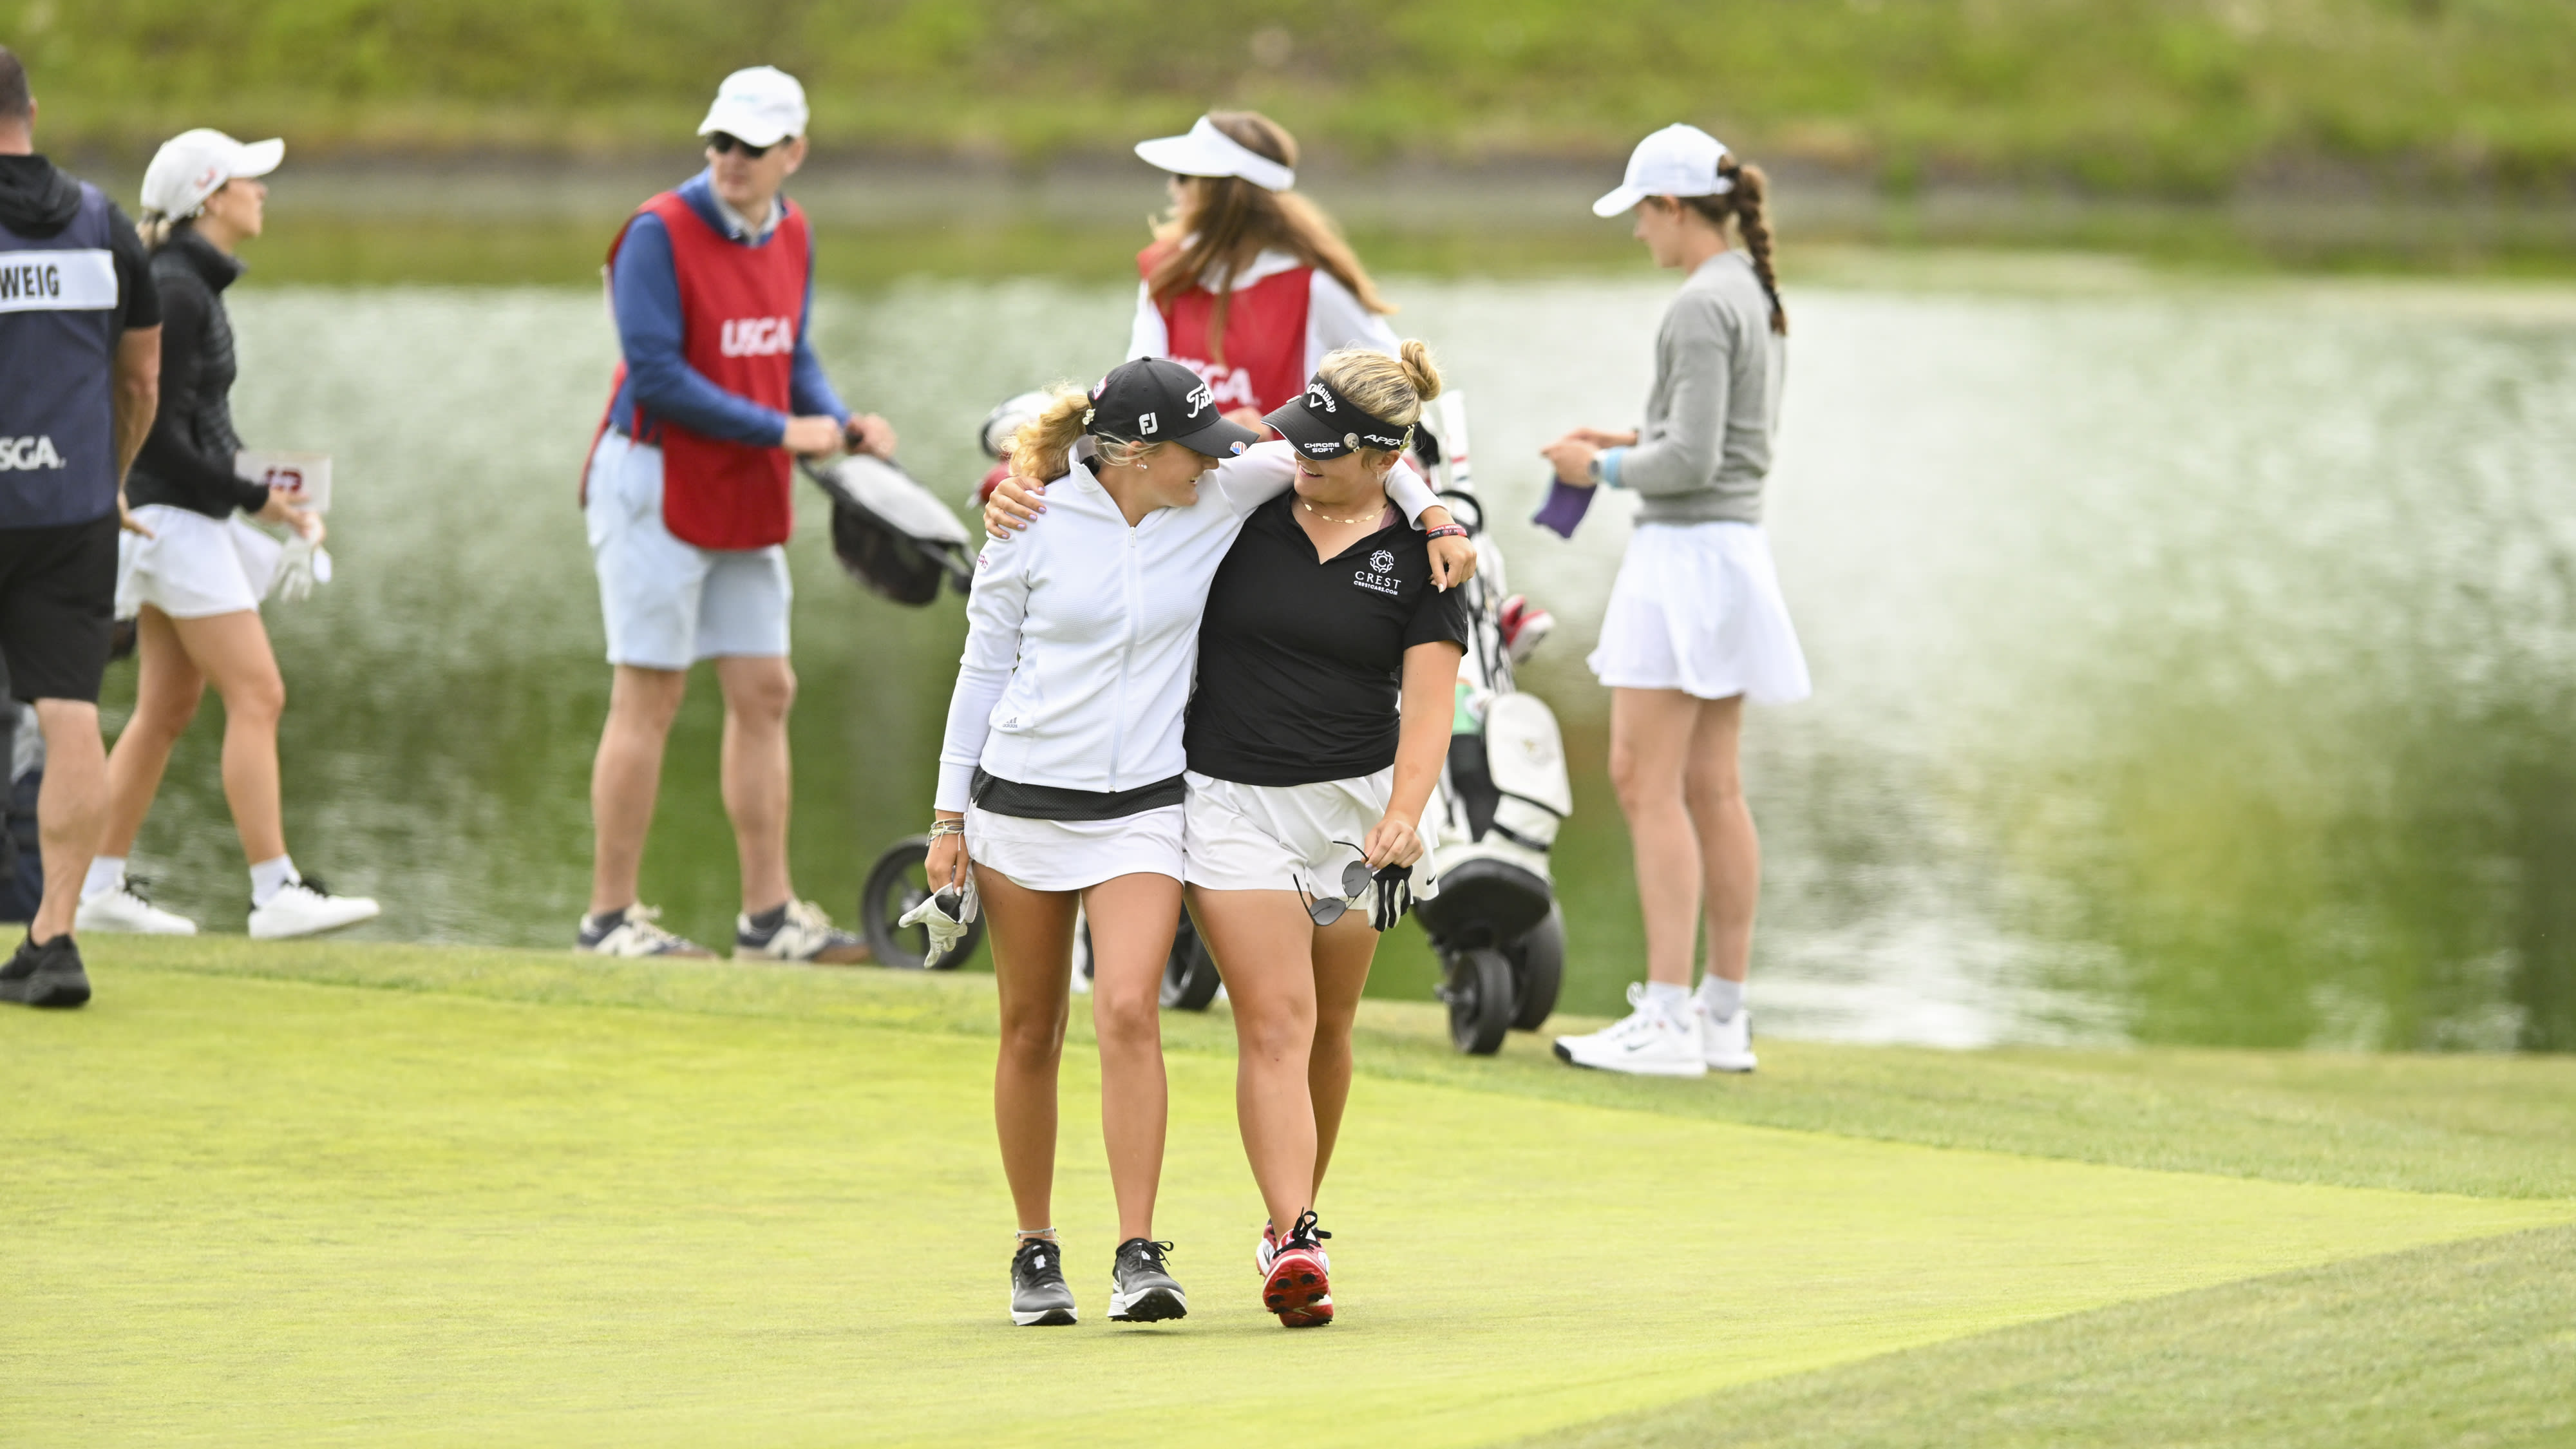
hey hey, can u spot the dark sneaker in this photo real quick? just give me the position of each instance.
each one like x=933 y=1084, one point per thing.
x=1039 y=1297
x=46 y=975
x=1298 y=1287
x=631 y=933
x=1141 y=1287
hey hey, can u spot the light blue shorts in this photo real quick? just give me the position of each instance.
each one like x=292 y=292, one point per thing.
x=669 y=604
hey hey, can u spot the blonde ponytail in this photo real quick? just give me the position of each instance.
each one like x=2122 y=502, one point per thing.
x=1043 y=447
x=1419 y=371
x=154 y=229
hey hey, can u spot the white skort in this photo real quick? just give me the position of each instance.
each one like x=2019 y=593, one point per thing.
x=1697 y=607
x=1072 y=855
x=193 y=567
x=1283 y=837
x=669 y=604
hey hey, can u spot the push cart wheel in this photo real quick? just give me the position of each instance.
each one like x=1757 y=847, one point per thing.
x=1538 y=959
x=1479 y=993
x=896 y=884
x=1189 y=974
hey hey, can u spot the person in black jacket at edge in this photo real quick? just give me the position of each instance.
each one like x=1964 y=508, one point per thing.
x=195 y=584
x=80 y=342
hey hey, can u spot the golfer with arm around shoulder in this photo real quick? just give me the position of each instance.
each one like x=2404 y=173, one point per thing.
x=80 y=359
x=1695 y=624
x=688 y=495
x=1060 y=780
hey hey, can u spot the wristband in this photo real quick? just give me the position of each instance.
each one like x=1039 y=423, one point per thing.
x=939 y=828
x=1446 y=530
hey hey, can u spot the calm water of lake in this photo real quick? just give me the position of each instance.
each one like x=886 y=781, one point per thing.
x=2193 y=662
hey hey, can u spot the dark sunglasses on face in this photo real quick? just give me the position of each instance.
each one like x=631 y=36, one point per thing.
x=724 y=145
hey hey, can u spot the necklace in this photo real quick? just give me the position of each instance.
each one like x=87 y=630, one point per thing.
x=1328 y=518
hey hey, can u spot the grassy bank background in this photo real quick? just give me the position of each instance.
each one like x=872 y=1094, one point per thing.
x=2167 y=97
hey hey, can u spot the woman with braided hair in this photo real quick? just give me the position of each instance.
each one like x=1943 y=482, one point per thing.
x=1695 y=623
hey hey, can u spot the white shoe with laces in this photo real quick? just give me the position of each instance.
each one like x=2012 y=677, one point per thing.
x=1649 y=1042
x=1726 y=1042
x=306 y=908
x=631 y=934
x=125 y=910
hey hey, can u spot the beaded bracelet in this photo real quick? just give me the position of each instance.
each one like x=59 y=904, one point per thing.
x=1446 y=530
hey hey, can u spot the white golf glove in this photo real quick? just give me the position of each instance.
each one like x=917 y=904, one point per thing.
x=945 y=914
x=301 y=565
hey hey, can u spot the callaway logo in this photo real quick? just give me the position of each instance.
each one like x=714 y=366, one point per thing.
x=28 y=454
x=1318 y=396
x=759 y=336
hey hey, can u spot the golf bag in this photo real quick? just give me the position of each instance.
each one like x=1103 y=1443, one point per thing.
x=1495 y=922
x=890 y=533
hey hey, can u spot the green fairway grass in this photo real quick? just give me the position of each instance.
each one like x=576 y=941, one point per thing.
x=385 y=1195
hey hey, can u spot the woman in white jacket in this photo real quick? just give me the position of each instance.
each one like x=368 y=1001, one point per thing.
x=1060 y=781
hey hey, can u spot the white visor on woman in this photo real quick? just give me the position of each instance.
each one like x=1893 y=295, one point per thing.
x=1675 y=161
x=1207 y=151
x=194 y=165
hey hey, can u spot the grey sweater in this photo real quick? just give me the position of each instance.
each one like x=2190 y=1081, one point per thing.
x=1705 y=444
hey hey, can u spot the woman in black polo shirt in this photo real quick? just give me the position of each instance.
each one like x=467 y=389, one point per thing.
x=1328 y=664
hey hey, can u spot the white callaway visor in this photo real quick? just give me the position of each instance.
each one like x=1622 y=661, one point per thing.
x=1207 y=151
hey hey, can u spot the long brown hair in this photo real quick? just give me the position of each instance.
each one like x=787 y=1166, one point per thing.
x=1223 y=222
x=1748 y=203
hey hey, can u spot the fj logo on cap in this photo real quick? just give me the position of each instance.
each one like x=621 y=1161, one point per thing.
x=1146 y=423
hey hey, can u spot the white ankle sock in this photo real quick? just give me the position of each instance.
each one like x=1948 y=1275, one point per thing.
x=106 y=873
x=1672 y=1001
x=1722 y=998
x=268 y=877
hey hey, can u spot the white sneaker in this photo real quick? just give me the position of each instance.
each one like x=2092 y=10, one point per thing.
x=804 y=933
x=306 y=908
x=1726 y=1042
x=1650 y=1042
x=632 y=934
x=124 y=909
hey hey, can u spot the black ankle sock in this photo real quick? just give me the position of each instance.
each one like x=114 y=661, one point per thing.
x=771 y=919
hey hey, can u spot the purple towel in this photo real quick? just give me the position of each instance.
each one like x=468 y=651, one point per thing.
x=1564 y=507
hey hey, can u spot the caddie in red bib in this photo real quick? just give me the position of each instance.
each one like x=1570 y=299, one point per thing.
x=689 y=494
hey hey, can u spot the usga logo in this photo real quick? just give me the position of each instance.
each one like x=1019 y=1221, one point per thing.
x=759 y=336
x=19 y=455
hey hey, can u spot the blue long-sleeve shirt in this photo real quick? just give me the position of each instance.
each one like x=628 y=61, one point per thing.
x=644 y=290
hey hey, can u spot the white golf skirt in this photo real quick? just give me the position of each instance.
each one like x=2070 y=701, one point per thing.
x=193 y=567
x=1292 y=837
x=1697 y=607
x=1072 y=855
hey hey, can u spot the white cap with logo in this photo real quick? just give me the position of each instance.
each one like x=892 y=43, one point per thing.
x=1675 y=161
x=1206 y=151
x=194 y=165
x=761 y=106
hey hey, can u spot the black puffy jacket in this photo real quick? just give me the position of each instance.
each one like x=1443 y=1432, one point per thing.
x=188 y=460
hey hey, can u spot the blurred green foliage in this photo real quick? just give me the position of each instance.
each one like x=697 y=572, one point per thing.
x=2182 y=97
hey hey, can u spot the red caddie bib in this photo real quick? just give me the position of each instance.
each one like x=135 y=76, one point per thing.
x=740 y=307
x=1261 y=362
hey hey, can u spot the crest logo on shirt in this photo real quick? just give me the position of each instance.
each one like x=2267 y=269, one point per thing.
x=1382 y=561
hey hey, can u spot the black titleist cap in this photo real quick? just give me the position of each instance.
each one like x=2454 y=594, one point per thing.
x=1156 y=400
x=1325 y=424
